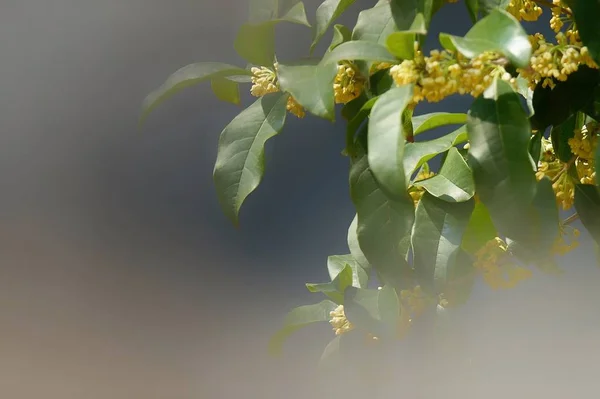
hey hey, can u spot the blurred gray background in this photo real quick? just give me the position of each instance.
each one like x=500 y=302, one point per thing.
x=119 y=276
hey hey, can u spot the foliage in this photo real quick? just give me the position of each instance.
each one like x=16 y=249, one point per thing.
x=507 y=171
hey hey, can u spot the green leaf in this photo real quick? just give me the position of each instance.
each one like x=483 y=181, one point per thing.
x=561 y=134
x=328 y=12
x=554 y=106
x=341 y=34
x=479 y=230
x=593 y=107
x=383 y=223
x=262 y=10
x=402 y=44
x=357 y=121
x=499 y=32
x=241 y=155
x=358 y=50
x=587 y=204
x=499 y=133
x=524 y=90
x=386 y=140
x=535 y=147
x=487 y=6
x=371 y=310
x=337 y=263
x=375 y=24
x=423 y=123
x=473 y=9
x=255 y=42
x=416 y=154
x=226 y=90
x=587 y=14
x=454 y=183
x=335 y=289
x=298 y=318
x=436 y=239
x=186 y=77
x=381 y=82
x=354 y=246
x=545 y=218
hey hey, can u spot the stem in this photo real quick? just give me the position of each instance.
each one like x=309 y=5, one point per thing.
x=407 y=124
x=570 y=219
x=551 y=5
x=564 y=169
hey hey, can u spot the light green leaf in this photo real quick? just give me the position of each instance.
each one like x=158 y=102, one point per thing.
x=186 y=77
x=372 y=310
x=436 y=239
x=241 y=156
x=375 y=24
x=337 y=263
x=454 y=183
x=341 y=34
x=226 y=90
x=358 y=50
x=499 y=133
x=416 y=154
x=524 y=90
x=328 y=12
x=587 y=204
x=386 y=140
x=587 y=14
x=402 y=44
x=355 y=123
x=423 y=123
x=499 y=31
x=479 y=230
x=354 y=246
x=298 y=318
x=334 y=289
x=383 y=224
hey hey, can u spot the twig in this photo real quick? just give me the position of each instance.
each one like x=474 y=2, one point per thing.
x=570 y=219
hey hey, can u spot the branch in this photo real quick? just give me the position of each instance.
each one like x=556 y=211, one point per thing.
x=570 y=219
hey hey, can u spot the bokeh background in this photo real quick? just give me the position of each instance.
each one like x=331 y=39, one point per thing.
x=119 y=276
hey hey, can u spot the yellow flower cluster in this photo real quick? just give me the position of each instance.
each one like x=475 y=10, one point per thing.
x=583 y=144
x=348 y=84
x=339 y=322
x=445 y=73
x=417 y=192
x=264 y=81
x=550 y=61
x=415 y=301
x=561 y=247
x=560 y=14
x=586 y=171
x=492 y=259
x=526 y=10
x=379 y=66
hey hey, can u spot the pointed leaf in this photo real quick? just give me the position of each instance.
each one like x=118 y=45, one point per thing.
x=341 y=34
x=226 y=90
x=185 y=77
x=334 y=289
x=328 y=12
x=354 y=247
x=500 y=32
x=473 y=9
x=587 y=204
x=336 y=263
x=454 y=183
x=298 y=318
x=416 y=154
x=240 y=160
x=423 y=123
x=375 y=24
x=383 y=223
x=436 y=239
x=386 y=140
x=499 y=134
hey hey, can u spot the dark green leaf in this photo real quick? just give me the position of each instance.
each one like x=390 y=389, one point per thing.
x=592 y=109
x=335 y=289
x=328 y=12
x=554 y=106
x=380 y=82
x=587 y=14
x=386 y=140
x=383 y=223
x=479 y=230
x=336 y=263
x=473 y=9
x=425 y=122
x=524 y=90
x=436 y=239
x=375 y=24
x=185 y=77
x=499 y=134
x=298 y=318
x=341 y=34
x=354 y=246
x=226 y=90
x=241 y=155
x=499 y=31
x=535 y=147
x=561 y=134
x=587 y=204
x=373 y=311
x=358 y=50
x=454 y=183
x=415 y=154
x=545 y=219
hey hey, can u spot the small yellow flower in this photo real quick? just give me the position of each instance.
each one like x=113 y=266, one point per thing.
x=264 y=81
x=493 y=262
x=294 y=107
x=583 y=144
x=339 y=322
x=347 y=84
x=526 y=10
x=417 y=192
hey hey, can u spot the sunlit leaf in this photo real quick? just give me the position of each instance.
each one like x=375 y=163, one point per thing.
x=423 y=123
x=334 y=289
x=337 y=263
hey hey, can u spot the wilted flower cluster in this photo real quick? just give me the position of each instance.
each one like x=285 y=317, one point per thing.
x=339 y=322
x=526 y=10
x=348 y=83
x=555 y=61
x=264 y=81
x=445 y=73
x=498 y=272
